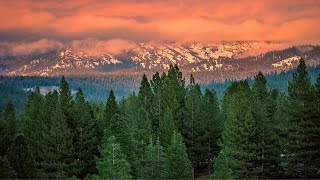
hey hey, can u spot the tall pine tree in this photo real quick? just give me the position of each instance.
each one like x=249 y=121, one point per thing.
x=113 y=163
x=21 y=159
x=85 y=141
x=179 y=166
x=58 y=148
x=155 y=167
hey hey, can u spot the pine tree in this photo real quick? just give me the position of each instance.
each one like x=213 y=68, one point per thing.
x=113 y=163
x=66 y=103
x=10 y=118
x=213 y=125
x=193 y=125
x=239 y=131
x=179 y=166
x=119 y=127
x=140 y=125
x=155 y=167
x=110 y=110
x=21 y=159
x=50 y=101
x=281 y=132
x=85 y=140
x=6 y=171
x=8 y=127
x=222 y=166
x=145 y=94
x=304 y=144
x=166 y=128
x=58 y=148
x=35 y=124
x=158 y=102
x=174 y=94
x=266 y=135
x=3 y=137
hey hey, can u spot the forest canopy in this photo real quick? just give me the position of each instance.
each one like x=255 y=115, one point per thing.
x=168 y=130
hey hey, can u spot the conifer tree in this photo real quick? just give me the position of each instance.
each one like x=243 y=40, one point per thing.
x=85 y=141
x=66 y=103
x=21 y=159
x=10 y=119
x=222 y=166
x=110 y=110
x=155 y=167
x=58 y=148
x=35 y=124
x=266 y=136
x=281 y=132
x=166 y=128
x=6 y=171
x=3 y=137
x=193 y=125
x=119 y=127
x=46 y=112
x=179 y=166
x=239 y=131
x=140 y=125
x=212 y=125
x=175 y=92
x=158 y=102
x=113 y=163
x=8 y=127
x=145 y=94
x=304 y=144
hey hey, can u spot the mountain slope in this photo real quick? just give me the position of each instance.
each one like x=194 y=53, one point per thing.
x=209 y=60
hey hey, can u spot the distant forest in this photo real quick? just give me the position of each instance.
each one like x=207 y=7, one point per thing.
x=167 y=129
x=96 y=88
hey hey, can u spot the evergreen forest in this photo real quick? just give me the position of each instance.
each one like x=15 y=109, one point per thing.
x=168 y=129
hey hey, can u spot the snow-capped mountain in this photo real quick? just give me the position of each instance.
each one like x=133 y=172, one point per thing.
x=213 y=60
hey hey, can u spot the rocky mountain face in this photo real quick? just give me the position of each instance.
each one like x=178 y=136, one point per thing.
x=210 y=61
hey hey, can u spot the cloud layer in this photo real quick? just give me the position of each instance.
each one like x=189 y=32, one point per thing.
x=122 y=21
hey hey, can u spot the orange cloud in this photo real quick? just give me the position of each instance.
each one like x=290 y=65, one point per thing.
x=95 y=47
x=24 y=48
x=214 y=20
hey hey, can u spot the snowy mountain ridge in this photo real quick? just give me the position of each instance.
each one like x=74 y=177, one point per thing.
x=193 y=57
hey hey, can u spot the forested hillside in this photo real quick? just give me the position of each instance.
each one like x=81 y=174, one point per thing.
x=167 y=130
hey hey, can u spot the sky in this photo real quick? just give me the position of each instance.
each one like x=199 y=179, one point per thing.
x=37 y=25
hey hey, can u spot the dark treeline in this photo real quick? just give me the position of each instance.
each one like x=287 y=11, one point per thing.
x=167 y=131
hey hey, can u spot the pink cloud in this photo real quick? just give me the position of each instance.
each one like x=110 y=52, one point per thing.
x=215 y=20
x=24 y=48
x=96 y=47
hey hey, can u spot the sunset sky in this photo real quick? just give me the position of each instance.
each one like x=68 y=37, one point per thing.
x=43 y=25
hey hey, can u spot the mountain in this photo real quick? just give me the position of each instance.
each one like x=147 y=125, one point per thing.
x=210 y=61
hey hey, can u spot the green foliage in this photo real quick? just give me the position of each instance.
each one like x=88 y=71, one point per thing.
x=222 y=166
x=113 y=163
x=304 y=134
x=21 y=159
x=6 y=171
x=166 y=128
x=110 y=110
x=145 y=94
x=263 y=133
x=212 y=126
x=179 y=166
x=193 y=124
x=155 y=166
x=8 y=127
x=66 y=102
x=58 y=149
x=85 y=141
x=238 y=135
x=121 y=129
